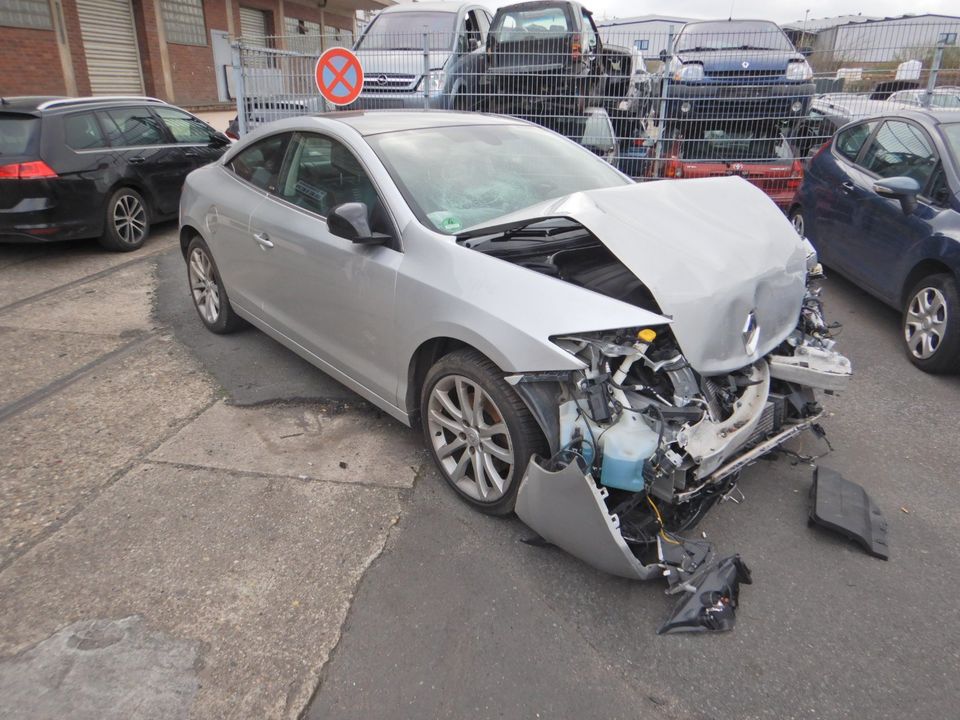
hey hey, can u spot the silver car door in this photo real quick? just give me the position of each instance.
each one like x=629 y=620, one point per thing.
x=240 y=256
x=329 y=295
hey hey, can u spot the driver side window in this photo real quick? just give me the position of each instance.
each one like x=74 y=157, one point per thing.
x=322 y=173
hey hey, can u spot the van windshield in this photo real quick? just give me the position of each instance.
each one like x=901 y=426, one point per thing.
x=18 y=135
x=404 y=31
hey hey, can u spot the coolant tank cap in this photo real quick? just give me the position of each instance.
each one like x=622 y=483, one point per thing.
x=647 y=335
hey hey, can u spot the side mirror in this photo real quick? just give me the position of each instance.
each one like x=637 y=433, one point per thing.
x=806 y=51
x=349 y=221
x=219 y=140
x=904 y=189
x=663 y=56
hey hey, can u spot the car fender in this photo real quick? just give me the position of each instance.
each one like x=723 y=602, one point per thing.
x=938 y=248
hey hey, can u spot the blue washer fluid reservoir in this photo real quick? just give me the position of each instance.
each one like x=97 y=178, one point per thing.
x=625 y=447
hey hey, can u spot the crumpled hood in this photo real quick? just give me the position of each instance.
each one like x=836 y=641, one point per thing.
x=711 y=251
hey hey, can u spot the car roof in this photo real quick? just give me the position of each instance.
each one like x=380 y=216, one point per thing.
x=921 y=115
x=450 y=7
x=375 y=122
x=39 y=104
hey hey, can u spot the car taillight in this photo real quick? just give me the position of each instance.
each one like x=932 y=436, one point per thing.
x=575 y=49
x=34 y=170
x=796 y=176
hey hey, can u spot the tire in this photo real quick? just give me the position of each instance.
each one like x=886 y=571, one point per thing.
x=931 y=324
x=126 y=224
x=460 y=445
x=207 y=291
x=798 y=221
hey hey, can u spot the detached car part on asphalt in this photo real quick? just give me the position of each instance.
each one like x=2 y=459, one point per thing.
x=603 y=356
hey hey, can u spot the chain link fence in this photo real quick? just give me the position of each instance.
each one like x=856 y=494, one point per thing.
x=712 y=98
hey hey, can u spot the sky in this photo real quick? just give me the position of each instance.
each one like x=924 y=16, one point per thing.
x=780 y=11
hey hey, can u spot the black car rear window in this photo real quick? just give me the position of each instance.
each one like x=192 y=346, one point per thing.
x=82 y=132
x=19 y=135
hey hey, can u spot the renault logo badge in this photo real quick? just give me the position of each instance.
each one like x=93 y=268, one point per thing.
x=744 y=64
x=751 y=333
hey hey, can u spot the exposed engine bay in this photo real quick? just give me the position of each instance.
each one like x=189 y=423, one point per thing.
x=643 y=445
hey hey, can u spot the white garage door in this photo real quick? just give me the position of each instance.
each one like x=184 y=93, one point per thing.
x=110 y=45
x=253 y=27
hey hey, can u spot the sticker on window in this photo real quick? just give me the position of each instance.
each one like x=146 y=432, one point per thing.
x=445 y=221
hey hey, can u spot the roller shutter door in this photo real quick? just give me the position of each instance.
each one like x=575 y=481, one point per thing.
x=253 y=27
x=110 y=45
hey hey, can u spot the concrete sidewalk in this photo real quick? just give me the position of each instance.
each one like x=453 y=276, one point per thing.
x=162 y=553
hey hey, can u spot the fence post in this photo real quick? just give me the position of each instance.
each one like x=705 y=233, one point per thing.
x=236 y=55
x=426 y=70
x=663 y=97
x=934 y=70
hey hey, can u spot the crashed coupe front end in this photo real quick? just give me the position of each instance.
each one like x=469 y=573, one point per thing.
x=655 y=426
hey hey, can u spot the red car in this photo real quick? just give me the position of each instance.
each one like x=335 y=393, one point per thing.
x=767 y=162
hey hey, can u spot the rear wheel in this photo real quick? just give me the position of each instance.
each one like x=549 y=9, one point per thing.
x=127 y=222
x=207 y=290
x=931 y=324
x=479 y=431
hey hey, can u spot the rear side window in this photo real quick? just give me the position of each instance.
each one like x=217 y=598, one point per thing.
x=901 y=149
x=18 y=135
x=260 y=163
x=184 y=127
x=82 y=132
x=132 y=127
x=850 y=141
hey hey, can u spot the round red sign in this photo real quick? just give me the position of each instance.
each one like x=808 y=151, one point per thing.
x=339 y=76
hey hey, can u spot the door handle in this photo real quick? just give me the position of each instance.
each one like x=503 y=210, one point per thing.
x=135 y=160
x=847 y=186
x=263 y=240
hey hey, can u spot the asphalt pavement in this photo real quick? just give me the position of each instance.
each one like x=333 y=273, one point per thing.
x=459 y=617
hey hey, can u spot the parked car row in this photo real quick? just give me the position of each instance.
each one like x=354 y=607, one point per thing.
x=104 y=167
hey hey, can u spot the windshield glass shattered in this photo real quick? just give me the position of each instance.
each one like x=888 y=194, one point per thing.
x=732 y=35
x=457 y=177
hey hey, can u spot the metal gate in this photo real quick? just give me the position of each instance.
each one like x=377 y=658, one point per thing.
x=110 y=47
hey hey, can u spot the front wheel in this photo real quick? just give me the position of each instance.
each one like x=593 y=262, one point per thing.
x=479 y=431
x=931 y=325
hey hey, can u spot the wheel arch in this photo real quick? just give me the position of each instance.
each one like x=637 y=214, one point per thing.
x=187 y=233
x=539 y=398
x=924 y=268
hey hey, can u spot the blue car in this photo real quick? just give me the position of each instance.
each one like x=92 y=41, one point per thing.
x=881 y=204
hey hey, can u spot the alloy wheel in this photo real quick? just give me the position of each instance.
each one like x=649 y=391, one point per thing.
x=203 y=285
x=470 y=438
x=129 y=219
x=925 y=323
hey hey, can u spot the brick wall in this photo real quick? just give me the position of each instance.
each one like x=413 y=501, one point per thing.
x=191 y=66
x=29 y=62
x=72 y=23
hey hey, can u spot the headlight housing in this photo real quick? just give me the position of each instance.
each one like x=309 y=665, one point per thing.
x=799 y=70
x=435 y=83
x=690 y=72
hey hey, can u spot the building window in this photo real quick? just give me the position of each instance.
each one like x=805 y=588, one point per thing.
x=641 y=44
x=183 y=21
x=26 y=13
x=302 y=35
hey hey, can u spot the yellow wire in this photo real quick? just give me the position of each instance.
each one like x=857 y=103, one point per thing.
x=656 y=510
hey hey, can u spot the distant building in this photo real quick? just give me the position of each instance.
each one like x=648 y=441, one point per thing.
x=647 y=33
x=177 y=50
x=857 y=38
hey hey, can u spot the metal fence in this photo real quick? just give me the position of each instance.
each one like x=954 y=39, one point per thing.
x=734 y=97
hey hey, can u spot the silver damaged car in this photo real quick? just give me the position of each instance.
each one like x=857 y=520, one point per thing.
x=602 y=357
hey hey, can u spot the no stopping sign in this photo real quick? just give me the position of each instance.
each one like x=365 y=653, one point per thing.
x=339 y=76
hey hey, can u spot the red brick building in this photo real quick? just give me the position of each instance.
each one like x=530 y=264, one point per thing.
x=177 y=50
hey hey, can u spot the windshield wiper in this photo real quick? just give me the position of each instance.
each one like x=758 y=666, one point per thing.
x=748 y=47
x=698 y=49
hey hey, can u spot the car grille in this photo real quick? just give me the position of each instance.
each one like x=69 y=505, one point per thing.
x=745 y=73
x=389 y=82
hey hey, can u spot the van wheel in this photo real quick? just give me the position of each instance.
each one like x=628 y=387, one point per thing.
x=127 y=222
